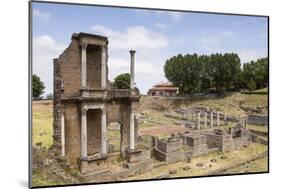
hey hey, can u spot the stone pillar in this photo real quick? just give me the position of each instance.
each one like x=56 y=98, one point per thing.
x=245 y=122
x=103 y=132
x=62 y=135
x=224 y=118
x=84 y=133
x=198 y=120
x=103 y=67
x=132 y=82
x=132 y=130
x=205 y=120
x=212 y=119
x=84 y=65
x=218 y=118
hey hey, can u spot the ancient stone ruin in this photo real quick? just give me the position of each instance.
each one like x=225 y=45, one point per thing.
x=85 y=103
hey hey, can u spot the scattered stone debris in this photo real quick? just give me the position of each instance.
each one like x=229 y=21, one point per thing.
x=173 y=171
x=213 y=160
x=200 y=164
x=186 y=168
x=223 y=157
x=163 y=176
x=38 y=144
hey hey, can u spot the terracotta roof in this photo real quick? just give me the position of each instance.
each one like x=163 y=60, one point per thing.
x=163 y=88
x=164 y=85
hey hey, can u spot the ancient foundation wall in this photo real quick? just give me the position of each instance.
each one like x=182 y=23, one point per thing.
x=257 y=120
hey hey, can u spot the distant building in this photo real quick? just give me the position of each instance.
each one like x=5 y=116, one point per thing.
x=163 y=89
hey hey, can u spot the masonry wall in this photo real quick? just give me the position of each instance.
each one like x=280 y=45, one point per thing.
x=57 y=104
x=70 y=65
x=94 y=66
x=94 y=131
x=72 y=118
x=257 y=120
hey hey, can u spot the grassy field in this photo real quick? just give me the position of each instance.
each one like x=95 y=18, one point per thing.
x=157 y=123
x=262 y=90
x=42 y=120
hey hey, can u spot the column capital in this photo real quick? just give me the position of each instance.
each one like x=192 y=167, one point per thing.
x=103 y=110
x=84 y=45
x=132 y=52
x=84 y=111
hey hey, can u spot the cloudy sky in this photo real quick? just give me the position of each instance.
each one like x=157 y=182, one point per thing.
x=155 y=35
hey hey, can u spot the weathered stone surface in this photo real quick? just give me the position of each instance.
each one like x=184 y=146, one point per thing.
x=70 y=98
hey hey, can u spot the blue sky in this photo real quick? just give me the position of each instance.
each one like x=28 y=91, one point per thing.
x=155 y=35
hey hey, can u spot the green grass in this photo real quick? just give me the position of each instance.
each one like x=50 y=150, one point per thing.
x=261 y=90
x=42 y=130
x=258 y=128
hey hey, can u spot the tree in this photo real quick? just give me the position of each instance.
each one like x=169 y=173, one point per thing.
x=122 y=81
x=37 y=86
x=194 y=74
x=251 y=85
x=257 y=71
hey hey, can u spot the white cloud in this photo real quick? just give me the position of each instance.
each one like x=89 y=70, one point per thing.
x=45 y=49
x=137 y=37
x=173 y=15
x=44 y=16
x=247 y=55
x=160 y=25
x=146 y=74
x=148 y=45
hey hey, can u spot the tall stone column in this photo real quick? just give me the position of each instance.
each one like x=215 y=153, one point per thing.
x=205 y=120
x=103 y=132
x=84 y=133
x=218 y=118
x=198 y=120
x=224 y=118
x=132 y=130
x=212 y=119
x=84 y=65
x=132 y=82
x=186 y=114
x=62 y=135
x=103 y=67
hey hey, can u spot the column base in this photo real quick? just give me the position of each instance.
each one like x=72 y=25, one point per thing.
x=93 y=163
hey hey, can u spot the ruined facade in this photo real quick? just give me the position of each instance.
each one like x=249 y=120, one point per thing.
x=85 y=103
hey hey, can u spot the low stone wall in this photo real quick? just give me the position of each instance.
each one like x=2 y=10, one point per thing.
x=257 y=119
x=171 y=157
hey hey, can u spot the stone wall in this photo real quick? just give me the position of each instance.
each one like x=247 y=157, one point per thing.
x=70 y=65
x=57 y=107
x=169 y=150
x=72 y=132
x=257 y=119
x=94 y=66
x=94 y=131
